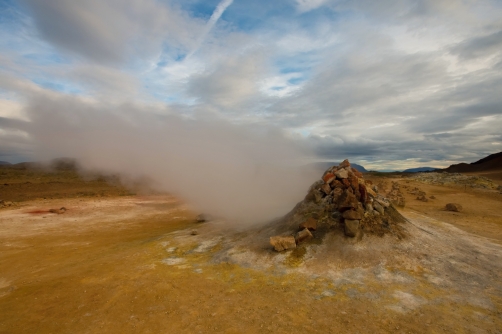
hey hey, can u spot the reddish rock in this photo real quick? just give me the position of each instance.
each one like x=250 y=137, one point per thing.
x=281 y=243
x=354 y=182
x=356 y=172
x=454 y=207
x=336 y=184
x=348 y=201
x=344 y=164
x=326 y=188
x=328 y=178
x=346 y=183
x=303 y=235
x=310 y=224
x=363 y=192
x=352 y=214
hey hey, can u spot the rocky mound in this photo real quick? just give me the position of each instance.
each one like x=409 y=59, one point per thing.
x=341 y=201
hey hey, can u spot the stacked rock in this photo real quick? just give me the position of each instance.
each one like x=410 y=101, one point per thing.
x=343 y=198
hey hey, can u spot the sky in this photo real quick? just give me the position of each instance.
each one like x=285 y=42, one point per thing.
x=389 y=84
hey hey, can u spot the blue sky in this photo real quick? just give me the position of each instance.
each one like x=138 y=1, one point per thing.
x=389 y=84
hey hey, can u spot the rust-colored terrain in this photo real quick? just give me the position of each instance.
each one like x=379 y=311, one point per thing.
x=117 y=262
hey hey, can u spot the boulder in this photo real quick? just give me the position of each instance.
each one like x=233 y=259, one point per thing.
x=281 y=243
x=454 y=207
x=310 y=224
x=352 y=215
x=351 y=227
x=303 y=235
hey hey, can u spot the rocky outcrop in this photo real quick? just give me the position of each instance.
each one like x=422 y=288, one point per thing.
x=342 y=200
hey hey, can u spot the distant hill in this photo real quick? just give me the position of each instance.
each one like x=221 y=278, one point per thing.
x=5 y=163
x=326 y=164
x=419 y=169
x=490 y=163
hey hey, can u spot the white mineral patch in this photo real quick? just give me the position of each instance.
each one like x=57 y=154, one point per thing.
x=171 y=261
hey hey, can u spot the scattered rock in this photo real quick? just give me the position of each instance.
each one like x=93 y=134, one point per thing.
x=432 y=197
x=202 y=218
x=194 y=232
x=303 y=235
x=454 y=207
x=281 y=243
x=58 y=211
x=351 y=227
x=310 y=224
x=422 y=198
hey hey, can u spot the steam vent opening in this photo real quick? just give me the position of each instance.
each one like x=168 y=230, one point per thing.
x=342 y=201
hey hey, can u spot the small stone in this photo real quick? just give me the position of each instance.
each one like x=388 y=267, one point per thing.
x=201 y=218
x=8 y=203
x=281 y=243
x=432 y=197
x=328 y=177
x=344 y=164
x=342 y=174
x=351 y=227
x=310 y=224
x=194 y=232
x=303 y=235
x=454 y=207
x=422 y=198
x=351 y=214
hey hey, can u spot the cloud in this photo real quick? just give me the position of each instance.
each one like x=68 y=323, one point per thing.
x=112 y=31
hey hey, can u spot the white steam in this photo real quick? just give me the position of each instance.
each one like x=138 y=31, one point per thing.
x=242 y=173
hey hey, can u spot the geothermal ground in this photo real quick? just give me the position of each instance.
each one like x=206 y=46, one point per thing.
x=118 y=262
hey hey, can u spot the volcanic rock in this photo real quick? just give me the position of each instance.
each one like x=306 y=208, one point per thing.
x=348 y=201
x=310 y=224
x=344 y=164
x=328 y=177
x=342 y=174
x=281 y=243
x=352 y=215
x=378 y=207
x=454 y=207
x=303 y=235
x=351 y=227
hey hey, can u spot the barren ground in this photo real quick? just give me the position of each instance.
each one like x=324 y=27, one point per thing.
x=118 y=263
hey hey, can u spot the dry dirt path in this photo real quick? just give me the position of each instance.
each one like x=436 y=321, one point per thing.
x=131 y=265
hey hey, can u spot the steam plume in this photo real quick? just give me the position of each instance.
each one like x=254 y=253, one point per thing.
x=243 y=173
